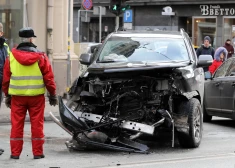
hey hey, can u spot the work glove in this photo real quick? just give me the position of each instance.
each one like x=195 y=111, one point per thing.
x=53 y=100
x=1 y=151
x=8 y=101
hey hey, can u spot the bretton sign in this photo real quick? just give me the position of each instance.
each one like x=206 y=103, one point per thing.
x=216 y=10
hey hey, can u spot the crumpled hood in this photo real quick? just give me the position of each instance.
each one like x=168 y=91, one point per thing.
x=97 y=68
x=25 y=57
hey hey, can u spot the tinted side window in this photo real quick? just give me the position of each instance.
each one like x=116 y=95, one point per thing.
x=231 y=71
x=222 y=70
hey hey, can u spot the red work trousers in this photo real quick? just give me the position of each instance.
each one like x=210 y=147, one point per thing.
x=35 y=106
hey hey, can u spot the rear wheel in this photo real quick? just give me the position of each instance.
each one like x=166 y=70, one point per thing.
x=193 y=108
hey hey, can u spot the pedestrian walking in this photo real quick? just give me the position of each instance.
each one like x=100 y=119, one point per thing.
x=206 y=49
x=4 y=53
x=229 y=48
x=220 y=55
x=27 y=72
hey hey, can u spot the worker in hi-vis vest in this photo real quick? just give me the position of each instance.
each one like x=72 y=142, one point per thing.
x=27 y=72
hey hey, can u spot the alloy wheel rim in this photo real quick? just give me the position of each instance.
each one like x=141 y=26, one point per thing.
x=197 y=125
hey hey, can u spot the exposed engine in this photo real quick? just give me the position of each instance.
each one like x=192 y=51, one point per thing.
x=142 y=100
x=123 y=98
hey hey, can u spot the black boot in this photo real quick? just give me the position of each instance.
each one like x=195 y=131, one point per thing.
x=14 y=157
x=39 y=156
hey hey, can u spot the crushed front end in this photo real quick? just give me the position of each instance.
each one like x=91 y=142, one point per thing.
x=113 y=111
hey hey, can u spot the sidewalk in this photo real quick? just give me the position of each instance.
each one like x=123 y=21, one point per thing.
x=6 y=112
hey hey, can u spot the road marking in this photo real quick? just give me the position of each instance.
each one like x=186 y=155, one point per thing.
x=170 y=161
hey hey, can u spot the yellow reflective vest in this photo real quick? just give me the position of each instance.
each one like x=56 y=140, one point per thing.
x=8 y=49
x=26 y=80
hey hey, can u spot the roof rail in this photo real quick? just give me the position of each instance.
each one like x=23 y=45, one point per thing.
x=182 y=30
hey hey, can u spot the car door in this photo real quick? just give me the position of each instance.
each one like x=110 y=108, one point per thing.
x=227 y=92
x=212 y=96
x=213 y=89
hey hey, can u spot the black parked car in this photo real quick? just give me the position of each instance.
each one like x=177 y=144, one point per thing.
x=138 y=84
x=219 y=92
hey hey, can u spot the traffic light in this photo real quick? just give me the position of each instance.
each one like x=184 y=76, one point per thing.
x=124 y=7
x=117 y=7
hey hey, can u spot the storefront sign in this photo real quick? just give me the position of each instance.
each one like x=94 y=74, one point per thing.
x=167 y=11
x=216 y=10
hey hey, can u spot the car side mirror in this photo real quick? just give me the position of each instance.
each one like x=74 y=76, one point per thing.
x=86 y=58
x=204 y=60
x=208 y=75
x=95 y=47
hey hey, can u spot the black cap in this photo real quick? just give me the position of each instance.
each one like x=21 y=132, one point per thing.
x=26 y=32
x=207 y=38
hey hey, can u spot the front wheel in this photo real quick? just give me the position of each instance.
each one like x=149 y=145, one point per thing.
x=193 y=108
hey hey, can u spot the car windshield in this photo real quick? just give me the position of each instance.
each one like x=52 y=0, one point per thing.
x=149 y=49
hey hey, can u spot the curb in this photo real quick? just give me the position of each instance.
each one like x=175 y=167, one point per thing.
x=48 y=118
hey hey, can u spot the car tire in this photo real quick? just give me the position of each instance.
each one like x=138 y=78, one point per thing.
x=192 y=139
x=206 y=117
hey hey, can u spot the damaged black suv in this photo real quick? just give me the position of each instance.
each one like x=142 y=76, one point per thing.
x=139 y=82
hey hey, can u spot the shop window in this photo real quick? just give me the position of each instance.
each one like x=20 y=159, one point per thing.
x=229 y=30
x=204 y=27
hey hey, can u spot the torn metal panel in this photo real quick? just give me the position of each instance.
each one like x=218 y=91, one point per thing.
x=130 y=125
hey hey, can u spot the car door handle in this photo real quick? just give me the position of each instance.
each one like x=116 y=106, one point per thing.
x=217 y=84
x=233 y=84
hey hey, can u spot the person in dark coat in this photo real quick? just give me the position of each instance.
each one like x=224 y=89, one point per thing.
x=206 y=49
x=4 y=53
x=229 y=48
x=220 y=56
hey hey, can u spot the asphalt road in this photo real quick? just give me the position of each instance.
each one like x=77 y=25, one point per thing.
x=217 y=150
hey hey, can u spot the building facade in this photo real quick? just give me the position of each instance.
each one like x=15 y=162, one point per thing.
x=199 y=18
x=55 y=21
x=49 y=19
